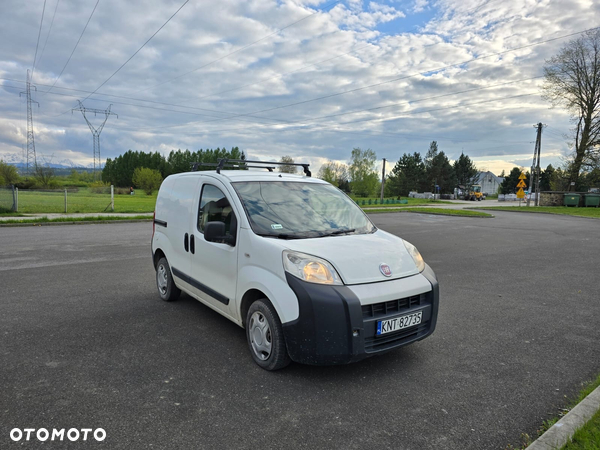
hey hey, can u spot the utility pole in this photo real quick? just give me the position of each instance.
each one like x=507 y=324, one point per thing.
x=95 y=131
x=30 y=159
x=534 y=175
x=382 y=179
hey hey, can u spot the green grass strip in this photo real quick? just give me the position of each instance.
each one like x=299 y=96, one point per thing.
x=563 y=210
x=438 y=211
x=42 y=220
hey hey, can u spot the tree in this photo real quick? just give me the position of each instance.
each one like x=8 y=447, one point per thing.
x=407 y=175
x=546 y=177
x=336 y=174
x=439 y=170
x=147 y=179
x=572 y=79
x=465 y=170
x=45 y=176
x=362 y=172
x=8 y=174
x=287 y=169
x=509 y=185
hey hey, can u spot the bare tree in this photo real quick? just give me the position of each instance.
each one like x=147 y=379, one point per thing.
x=287 y=169
x=572 y=79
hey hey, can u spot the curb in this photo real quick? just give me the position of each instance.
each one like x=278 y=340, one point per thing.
x=562 y=431
x=79 y=222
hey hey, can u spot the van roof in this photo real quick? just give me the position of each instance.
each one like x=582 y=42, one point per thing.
x=254 y=175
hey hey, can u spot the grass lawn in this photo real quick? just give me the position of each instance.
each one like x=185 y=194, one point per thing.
x=76 y=219
x=439 y=211
x=84 y=201
x=564 y=210
x=588 y=437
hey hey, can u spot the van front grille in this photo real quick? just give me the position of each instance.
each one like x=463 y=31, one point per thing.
x=393 y=306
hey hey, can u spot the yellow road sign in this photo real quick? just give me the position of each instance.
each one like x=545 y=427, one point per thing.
x=521 y=193
x=521 y=184
x=522 y=176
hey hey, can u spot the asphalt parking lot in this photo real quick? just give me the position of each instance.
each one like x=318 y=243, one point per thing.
x=87 y=343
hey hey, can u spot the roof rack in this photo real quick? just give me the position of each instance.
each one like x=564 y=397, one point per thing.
x=246 y=164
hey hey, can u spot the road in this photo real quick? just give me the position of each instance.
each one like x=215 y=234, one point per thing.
x=86 y=343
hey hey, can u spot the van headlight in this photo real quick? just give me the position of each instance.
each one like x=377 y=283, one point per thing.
x=310 y=268
x=416 y=256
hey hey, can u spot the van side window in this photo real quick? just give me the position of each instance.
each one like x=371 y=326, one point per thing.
x=214 y=207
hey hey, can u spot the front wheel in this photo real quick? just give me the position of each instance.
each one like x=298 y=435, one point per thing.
x=164 y=282
x=265 y=336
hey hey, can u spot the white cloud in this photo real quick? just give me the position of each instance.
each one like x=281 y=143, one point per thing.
x=354 y=45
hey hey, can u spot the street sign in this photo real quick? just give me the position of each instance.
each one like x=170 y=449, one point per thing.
x=521 y=185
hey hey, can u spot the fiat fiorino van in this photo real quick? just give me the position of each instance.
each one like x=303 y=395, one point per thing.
x=294 y=261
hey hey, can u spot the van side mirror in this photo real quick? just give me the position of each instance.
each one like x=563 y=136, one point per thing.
x=215 y=232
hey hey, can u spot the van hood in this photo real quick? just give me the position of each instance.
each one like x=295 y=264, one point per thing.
x=358 y=257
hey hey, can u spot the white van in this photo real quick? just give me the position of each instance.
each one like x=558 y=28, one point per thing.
x=294 y=261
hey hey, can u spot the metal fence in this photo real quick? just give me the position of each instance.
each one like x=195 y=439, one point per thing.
x=8 y=199
x=63 y=201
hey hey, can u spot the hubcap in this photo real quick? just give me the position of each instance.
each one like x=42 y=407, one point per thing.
x=161 y=279
x=260 y=335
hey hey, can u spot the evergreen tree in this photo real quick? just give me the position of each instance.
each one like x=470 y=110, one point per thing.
x=465 y=170
x=407 y=175
x=439 y=170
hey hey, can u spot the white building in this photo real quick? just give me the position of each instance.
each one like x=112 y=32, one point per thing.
x=489 y=182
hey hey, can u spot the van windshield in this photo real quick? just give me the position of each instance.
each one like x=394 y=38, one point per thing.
x=296 y=210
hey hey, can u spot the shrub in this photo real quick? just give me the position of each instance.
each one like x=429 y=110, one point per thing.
x=147 y=179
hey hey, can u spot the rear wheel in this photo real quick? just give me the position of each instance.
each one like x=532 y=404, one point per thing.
x=265 y=336
x=164 y=282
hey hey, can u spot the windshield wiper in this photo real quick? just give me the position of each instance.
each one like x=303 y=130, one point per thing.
x=338 y=232
x=283 y=236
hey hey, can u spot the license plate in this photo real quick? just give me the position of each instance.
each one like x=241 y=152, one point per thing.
x=399 y=323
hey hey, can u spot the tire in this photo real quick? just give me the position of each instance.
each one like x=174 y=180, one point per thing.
x=265 y=336
x=164 y=282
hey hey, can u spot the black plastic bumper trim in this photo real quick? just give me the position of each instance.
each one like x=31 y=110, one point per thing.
x=201 y=287
x=162 y=223
x=329 y=316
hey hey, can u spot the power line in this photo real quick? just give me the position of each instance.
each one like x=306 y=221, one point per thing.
x=74 y=48
x=239 y=49
x=142 y=106
x=137 y=99
x=138 y=50
x=408 y=113
x=327 y=128
x=49 y=31
x=38 y=40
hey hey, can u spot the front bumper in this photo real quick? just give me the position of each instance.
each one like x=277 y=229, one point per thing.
x=333 y=327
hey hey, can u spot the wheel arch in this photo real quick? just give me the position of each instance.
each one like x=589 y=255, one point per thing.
x=158 y=253
x=248 y=298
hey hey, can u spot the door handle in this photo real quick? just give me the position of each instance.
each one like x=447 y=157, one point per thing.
x=192 y=244
x=185 y=243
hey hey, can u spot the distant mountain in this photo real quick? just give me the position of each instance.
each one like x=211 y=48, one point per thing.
x=15 y=159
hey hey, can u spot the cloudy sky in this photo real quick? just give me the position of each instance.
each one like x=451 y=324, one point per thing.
x=310 y=79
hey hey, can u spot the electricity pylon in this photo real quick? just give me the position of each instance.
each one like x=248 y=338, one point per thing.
x=95 y=130
x=30 y=159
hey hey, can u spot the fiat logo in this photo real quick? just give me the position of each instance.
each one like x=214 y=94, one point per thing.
x=385 y=270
